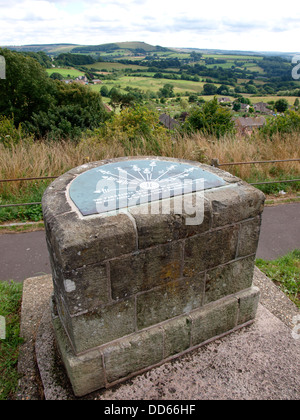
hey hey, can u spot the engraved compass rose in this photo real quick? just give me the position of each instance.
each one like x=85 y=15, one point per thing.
x=129 y=183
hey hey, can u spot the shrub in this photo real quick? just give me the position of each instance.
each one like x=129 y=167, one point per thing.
x=9 y=134
x=283 y=124
x=211 y=119
x=134 y=128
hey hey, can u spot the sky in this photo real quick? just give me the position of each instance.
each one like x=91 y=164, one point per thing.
x=246 y=25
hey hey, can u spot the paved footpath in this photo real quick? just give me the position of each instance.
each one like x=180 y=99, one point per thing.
x=25 y=255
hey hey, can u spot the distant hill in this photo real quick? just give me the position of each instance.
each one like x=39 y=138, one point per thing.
x=135 y=47
x=47 y=48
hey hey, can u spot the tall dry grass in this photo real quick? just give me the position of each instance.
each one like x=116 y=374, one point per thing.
x=35 y=159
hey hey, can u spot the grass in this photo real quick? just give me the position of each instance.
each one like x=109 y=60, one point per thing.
x=148 y=84
x=31 y=193
x=65 y=72
x=285 y=272
x=109 y=66
x=10 y=305
x=53 y=159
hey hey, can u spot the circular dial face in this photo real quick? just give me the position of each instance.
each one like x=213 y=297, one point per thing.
x=130 y=183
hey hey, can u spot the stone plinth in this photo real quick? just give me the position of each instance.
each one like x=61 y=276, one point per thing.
x=149 y=261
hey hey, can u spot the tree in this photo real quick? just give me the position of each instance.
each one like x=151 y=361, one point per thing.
x=167 y=91
x=104 y=91
x=56 y=76
x=209 y=89
x=223 y=90
x=211 y=119
x=281 y=105
x=75 y=108
x=27 y=88
x=236 y=106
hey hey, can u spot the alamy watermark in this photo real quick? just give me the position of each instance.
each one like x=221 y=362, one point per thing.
x=173 y=195
x=2 y=67
x=296 y=69
x=296 y=329
x=2 y=328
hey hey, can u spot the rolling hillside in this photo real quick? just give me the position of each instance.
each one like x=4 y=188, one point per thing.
x=133 y=47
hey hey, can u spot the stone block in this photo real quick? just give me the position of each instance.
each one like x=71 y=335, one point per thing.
x=145 y=269
x=177 y=336
x=84 y=289
x=86 y=372
x=168 y=301
x=76 y=242
x=133 y=353
x=213 y=320
x=155 y=229
x=236 y=202
x=229 y=279
x=210 y=249
x=249 y=236
x=248 y=303
x=92 y=329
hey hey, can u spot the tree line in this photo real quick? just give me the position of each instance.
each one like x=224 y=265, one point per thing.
x=46 y=107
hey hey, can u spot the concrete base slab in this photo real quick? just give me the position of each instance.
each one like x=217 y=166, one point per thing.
x=260 y=361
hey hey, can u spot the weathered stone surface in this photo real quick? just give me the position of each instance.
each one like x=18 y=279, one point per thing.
x=228 y=279
x=85 y=372
x=85 y=288
x=248 y=303
x=210 y=250
x=177 y=336
x=93 y=329
x=154 y=229
x=169 y=300
x=132 y=354
x=213 y=320
x=78 y=242
x=249 y=236
x=234 y=203
x=54 y=203
x=145 y=270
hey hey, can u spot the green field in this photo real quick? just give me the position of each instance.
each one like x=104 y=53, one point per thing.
x=110 y=66
x=69 y=72
x=152 y=85
x=256 y=99
x=233 y=57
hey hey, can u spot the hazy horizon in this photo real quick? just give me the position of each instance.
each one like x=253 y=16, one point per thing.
x=231 y=25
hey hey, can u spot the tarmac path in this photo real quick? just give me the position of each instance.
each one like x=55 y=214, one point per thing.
x=24 y=255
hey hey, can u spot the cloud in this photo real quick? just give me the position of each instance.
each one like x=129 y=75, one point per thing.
x=218 y=24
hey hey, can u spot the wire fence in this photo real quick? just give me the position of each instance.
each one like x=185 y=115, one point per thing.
x=214 y=162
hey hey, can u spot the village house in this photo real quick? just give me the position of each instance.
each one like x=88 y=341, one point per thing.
x=224 y=100
x=262 y=108
x=245 y=107
x=83 y=80
x=168 y=122
x=246 y=125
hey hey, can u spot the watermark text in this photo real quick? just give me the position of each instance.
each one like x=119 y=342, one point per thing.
x=2 y=328
x=2 y=67
x=296 y=69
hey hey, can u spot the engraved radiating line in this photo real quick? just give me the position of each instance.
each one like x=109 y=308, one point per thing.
x=184 y=173
x=139 y=171
x=123 y=170
x=116 y=177
x=168 y=170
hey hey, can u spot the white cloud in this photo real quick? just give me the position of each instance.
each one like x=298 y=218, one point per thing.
x=232 y=24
